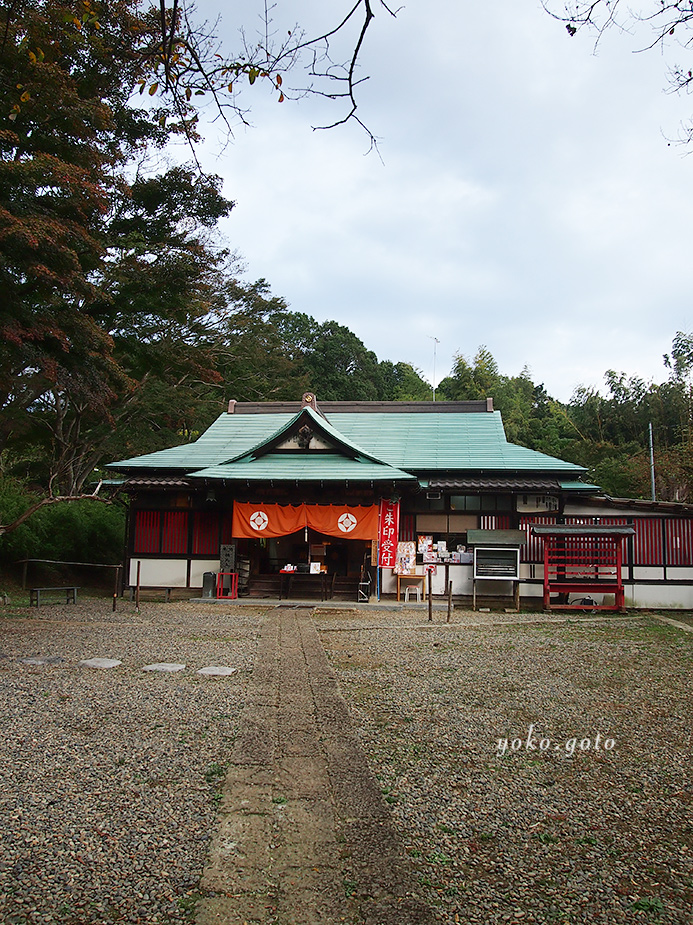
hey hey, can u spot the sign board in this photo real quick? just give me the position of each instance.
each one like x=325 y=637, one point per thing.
x=388 y=533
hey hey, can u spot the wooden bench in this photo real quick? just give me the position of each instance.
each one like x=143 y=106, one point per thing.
x=35 y=595
x=145 y=588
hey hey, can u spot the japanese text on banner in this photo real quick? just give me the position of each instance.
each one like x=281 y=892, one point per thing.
x=388 y=533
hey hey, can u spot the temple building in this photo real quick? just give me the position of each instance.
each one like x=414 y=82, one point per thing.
x=385 y=499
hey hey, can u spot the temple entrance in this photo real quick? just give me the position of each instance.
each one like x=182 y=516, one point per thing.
x=308 y=563
x=309 y=550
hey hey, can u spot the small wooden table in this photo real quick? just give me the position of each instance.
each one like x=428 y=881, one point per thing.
x=310 y=581
x=418 y=579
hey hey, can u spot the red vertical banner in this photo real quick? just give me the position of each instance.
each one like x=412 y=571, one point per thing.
x=388 y=533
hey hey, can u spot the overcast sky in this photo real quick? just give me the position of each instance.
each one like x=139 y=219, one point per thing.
x=527 y=198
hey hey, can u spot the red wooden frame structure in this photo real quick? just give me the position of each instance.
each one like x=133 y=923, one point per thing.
x=231 y=585
x=583 y=559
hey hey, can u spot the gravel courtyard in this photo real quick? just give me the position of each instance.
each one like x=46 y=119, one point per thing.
x=109 y=777
x=538 y=771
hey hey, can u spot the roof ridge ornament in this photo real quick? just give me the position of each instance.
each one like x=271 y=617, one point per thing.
x=309 y=400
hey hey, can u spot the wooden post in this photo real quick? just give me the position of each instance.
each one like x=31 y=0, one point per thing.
x=116 y=572
x=24 y=570
x=449 y=599
x=137 y=588
x=430 y=596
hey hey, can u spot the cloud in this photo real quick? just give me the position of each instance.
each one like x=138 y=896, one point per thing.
x=527 y=198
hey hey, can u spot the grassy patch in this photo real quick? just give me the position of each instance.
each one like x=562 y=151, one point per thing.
x=215 y=771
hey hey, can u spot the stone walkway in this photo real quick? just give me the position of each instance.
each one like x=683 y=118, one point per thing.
x=303 y=835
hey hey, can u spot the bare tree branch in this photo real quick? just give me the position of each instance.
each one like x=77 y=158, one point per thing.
x=668 y=23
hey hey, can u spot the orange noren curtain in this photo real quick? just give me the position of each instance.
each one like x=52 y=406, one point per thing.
x=273 y=520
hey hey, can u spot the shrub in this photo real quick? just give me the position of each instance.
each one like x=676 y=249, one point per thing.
x=74 y=531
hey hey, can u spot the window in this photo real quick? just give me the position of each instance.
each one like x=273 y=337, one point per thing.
x=147 y=532
x=160 y=533
x=206 y=533
x=481 y=503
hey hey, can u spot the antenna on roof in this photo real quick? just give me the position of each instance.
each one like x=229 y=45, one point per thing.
x=435 y=343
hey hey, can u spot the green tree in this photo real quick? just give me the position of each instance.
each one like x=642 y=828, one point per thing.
x=403 y=382
x=530 y=416
x=336 y=364
x=255 y=358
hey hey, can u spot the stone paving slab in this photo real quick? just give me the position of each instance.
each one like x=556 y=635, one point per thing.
x=304 y=836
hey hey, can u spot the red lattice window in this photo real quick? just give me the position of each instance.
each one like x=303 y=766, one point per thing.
x=147 y=532
x=407 y=526
x=533 y=550
x=679 y=535
x=648 y=545
x=206 y=534
x=495 y=522
x=174 y=540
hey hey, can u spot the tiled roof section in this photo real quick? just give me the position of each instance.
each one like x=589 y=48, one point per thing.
x=582 y=530
x=426 y=442
x=642 y=505
x=496 y=484
x=155 y=482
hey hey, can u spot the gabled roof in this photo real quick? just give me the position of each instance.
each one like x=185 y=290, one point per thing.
x=310 y=418
x=385 y=440
x=339 y=458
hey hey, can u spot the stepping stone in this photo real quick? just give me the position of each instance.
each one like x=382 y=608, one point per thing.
x=41 y=660
x=100 y=663
x=218 y=671
x=164 y=666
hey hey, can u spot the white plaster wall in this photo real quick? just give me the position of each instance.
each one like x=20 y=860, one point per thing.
x=461 y=578
x=166 y=573
x=679 y=597
x=438 y=581
x=646 y=572
x=639 y=596
x=197 y=569
x=388 y=581
x=679 y=573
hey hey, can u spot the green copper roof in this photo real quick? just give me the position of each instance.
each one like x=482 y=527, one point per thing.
x=435 y=442
x=304 y=467
x=426 y=443
x=316 y=422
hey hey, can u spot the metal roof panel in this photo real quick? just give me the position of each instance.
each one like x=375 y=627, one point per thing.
x=422 y=442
